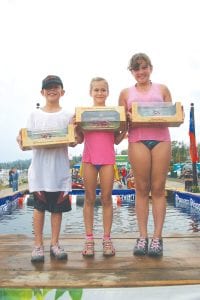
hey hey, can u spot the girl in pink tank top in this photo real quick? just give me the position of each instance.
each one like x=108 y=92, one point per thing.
x=98 y=163
x=147 y=133
x=149 y=153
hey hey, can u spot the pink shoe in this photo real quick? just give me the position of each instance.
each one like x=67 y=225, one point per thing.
x=88 y=248
x=108 y=248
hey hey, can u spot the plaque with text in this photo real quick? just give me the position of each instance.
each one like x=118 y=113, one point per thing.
x=47 y=138
x=157 y=114
x=101 y=118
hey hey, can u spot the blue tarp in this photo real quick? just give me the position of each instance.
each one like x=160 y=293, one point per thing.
x=98 y=191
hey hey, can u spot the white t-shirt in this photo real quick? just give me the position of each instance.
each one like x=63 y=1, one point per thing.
x=49 y=170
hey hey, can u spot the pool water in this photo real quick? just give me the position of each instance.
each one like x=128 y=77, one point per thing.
x=178 y=220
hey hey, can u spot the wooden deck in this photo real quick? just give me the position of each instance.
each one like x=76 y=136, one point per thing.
x=180 y=264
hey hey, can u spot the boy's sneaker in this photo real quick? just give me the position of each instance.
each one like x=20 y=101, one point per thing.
x=57 y=252
x=156 y=247
x=37 y=254
x=141 y=247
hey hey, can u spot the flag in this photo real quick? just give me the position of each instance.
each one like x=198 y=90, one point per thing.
x=193 y=147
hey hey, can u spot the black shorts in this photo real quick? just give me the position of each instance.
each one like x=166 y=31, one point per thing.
x=54 y=202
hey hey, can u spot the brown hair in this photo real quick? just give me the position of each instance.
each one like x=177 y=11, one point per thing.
x=137 y=59
x=98 y=79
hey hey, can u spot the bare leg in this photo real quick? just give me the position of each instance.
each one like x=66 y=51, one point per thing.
x=90 y=182
x=106 y=174
x=161 y=155
x=38 y=224
x=140 y=159
x=56 y=219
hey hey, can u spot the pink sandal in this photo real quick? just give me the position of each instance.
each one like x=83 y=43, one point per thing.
x=108 y=248
x=88 y=248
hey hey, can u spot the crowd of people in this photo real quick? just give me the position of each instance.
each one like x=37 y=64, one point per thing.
x=149 y=151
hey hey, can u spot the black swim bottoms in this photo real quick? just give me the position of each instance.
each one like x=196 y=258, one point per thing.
x=150 y=143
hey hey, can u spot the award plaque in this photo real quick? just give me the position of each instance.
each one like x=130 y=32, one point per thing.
x=157 y=114
x=101 y=118
x=47 y=138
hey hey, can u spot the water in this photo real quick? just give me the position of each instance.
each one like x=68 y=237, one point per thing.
x=178 y=220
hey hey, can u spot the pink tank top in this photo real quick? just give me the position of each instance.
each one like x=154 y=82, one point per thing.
x=147 y=133
x=99 y=148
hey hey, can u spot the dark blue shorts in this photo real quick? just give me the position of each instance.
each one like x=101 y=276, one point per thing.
x=54 y=202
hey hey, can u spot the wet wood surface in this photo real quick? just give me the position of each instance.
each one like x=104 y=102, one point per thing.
x=180 y=264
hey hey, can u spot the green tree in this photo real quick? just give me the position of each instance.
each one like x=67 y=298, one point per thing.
x=180 y=152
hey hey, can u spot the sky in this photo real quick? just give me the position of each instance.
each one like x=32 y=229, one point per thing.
x=81 y=39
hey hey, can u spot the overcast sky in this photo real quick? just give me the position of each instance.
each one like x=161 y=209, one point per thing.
x=80 y=39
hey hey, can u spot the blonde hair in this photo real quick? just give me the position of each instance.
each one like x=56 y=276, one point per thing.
x=137 y=59
x=98 y=79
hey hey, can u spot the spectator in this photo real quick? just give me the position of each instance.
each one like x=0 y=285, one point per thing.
x=10 y=177
x=15 y=178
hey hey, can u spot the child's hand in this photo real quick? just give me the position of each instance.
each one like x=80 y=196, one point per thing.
x=73 y=120
x=129 y=116
x=119 y=136
x=78 y=139
x=73 y=144
x=79 y=136
x=183 y=113
x=19 y=139
x=129 y=119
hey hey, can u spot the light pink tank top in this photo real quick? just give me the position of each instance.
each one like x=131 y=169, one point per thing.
x=99 y=148
x=147 y=133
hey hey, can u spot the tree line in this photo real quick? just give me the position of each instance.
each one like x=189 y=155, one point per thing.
x=19 y=164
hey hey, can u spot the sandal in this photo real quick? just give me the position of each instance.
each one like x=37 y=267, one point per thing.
x=108 y=248
x=88 y=248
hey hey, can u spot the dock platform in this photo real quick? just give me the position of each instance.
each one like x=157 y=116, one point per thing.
x=180 y=264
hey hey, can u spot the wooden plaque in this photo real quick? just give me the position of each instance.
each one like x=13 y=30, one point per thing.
x=157 y=114
x=101 y=118
x=47 y=138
